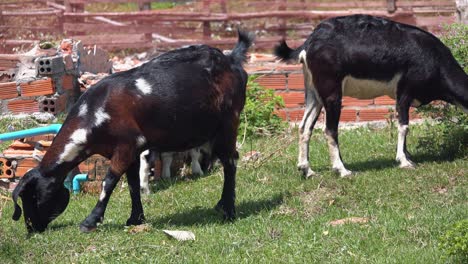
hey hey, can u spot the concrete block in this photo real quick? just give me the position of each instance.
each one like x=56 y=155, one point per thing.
x=53 y=105
x=50 y=65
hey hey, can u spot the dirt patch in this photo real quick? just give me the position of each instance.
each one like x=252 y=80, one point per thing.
x=315 y=202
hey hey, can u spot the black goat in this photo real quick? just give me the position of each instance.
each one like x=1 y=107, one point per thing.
x=177 y=101
x=365 y=57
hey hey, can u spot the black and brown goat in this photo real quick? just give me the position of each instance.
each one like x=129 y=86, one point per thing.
x=177 y=101
x=364 y=57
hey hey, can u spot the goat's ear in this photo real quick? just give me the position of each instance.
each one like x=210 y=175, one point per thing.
x=19 y=189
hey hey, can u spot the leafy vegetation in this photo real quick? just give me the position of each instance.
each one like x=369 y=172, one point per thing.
x=455 y=242
x=258 y=117
x=453 y=122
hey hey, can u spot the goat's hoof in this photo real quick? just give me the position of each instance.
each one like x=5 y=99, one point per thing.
x=346 y=173
x=87 y=229
x=144 y=191
x=135 y=221
x=306 y=171
x=228 y=214
x=408 y=165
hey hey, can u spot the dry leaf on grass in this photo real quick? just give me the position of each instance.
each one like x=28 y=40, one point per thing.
x=349 y=220
x=180 y=235
x=139 y=228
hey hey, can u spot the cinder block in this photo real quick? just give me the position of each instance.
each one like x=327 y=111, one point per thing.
x=53 y=105
x=37 y=88
x=8 y=90
x=50 y=65
x=6 y=169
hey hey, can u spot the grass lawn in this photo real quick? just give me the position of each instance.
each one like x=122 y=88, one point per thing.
x=282 y=218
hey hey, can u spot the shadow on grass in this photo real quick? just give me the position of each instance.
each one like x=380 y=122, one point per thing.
x=203 y=216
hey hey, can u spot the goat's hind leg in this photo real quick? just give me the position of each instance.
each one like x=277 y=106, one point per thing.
x=333 y=111
x=311 y=114
x=225 y=150
x=137 y=216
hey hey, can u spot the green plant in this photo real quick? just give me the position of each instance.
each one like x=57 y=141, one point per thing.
x=259 y=117
x=452 y=138
x=455 y=242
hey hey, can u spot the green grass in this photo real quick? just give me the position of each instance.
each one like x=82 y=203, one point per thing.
x=282 y=218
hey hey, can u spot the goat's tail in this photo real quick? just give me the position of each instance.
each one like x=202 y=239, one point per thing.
x=285 y=53
x=239 y=53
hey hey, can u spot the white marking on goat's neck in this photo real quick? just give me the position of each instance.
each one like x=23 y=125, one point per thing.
x=100 y=117
x=368 y=89
x=143 y=86
x=74 y=146
x=103 y=192
x=141 y=141
x=83 y=110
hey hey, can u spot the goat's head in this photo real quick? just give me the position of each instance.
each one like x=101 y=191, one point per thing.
x=44 y=198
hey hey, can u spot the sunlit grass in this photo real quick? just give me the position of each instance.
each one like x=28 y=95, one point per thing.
x=282 y=218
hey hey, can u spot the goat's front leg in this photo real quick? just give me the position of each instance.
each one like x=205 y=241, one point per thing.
x=97 y=215
x=137 y=216
x=166 y=160
x=333 y=111
x=402 y=156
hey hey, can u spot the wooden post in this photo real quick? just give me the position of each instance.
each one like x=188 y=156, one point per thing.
x=462 y=11
x=2 y=34
x=391 y=6
x=206 y=24
x=282 y=22
x=146 y=6
x=74 y=8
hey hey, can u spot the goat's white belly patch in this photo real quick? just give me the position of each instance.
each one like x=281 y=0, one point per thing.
x=74 y=146
x=368 y=89
x=142 y=85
